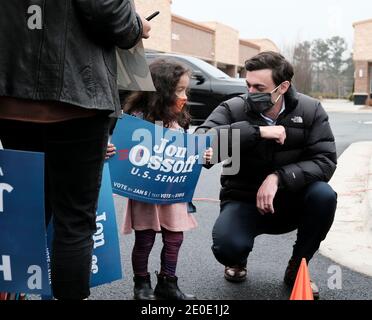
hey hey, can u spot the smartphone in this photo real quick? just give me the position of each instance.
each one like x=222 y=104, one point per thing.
x=152 y=16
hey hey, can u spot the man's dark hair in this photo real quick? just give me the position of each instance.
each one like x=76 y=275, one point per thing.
x=282 y=69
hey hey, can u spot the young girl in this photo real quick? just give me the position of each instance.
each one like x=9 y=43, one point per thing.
x=171 y=81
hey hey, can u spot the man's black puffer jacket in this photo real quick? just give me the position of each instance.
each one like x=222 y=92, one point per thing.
x=64 y=50
x=308 y=155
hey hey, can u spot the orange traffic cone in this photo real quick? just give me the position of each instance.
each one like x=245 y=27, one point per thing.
x=302 y=288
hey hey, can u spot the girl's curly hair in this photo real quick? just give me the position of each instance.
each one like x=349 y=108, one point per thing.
x=158 y=106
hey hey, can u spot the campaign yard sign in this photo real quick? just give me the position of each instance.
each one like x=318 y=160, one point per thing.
x=106 y=262
x=154 y=164
x=23 y=252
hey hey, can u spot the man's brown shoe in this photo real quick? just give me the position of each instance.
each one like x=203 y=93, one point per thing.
x=236 y=273
x=291 y=274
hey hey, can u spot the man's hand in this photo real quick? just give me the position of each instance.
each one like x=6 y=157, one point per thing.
x=276 y=133
x=266 y=194
x=146 y=28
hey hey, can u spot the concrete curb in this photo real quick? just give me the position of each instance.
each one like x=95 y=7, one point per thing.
x=349 y=243
x=344 y=106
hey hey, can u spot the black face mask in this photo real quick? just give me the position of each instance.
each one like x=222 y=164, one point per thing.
x=262 y=102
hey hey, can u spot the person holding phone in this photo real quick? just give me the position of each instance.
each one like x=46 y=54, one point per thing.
x=58 y=86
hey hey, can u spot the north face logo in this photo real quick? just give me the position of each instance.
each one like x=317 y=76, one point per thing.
x=297 y=120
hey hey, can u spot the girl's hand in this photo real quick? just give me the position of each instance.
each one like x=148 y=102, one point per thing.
x=208 y=155
x=111 y=151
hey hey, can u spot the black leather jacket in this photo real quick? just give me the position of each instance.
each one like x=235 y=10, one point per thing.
x=64 y=50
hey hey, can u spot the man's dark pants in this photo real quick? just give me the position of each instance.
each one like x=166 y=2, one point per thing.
x=310 y=211
x=74 y=156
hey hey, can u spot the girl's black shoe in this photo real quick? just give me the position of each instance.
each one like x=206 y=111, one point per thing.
x=142 y=288
x=167 y=289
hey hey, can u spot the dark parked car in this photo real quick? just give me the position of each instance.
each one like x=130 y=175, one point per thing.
x=209 y=86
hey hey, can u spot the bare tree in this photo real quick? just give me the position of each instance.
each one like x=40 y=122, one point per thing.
x=288 y=50
x=303 y=66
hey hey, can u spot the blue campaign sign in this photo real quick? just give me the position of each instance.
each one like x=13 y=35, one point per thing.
x=154 y=164
x=23 y=253
x=106 y=262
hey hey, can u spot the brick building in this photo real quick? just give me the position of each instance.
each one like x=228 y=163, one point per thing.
x=192 y=39
x=214 y=42
x=363 y=62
